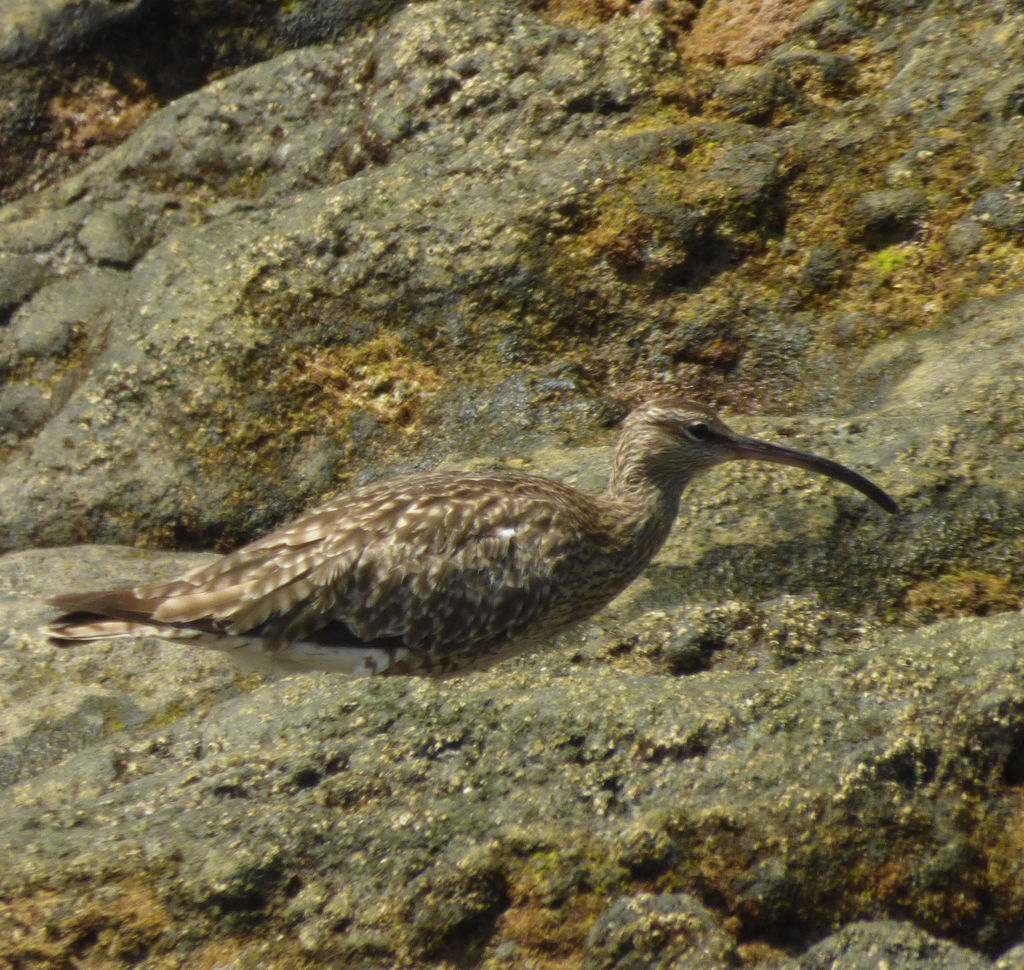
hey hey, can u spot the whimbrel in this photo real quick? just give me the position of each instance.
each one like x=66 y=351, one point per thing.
x=442 y=571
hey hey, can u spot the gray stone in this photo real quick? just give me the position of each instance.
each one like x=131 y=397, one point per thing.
x=116 y=234
x=26 y=230
x=834 y=21
x=1002 y=209
x=753 y=93
x=466 y=232
x=85 y=704
x=919 y=159
x=188 y=296
x=832 y=71
x=540 y=183
x=966 y=236
x=20 y=277
x=934 y=65
x=670 y=931
x=63 y=309
x=690 y=650
x=823 y=268
x=1005 y=97
x=889 y=216
x=30 y=28
x=544 y=782
x=1012 y=959
x=885 y=943
x=23 y=410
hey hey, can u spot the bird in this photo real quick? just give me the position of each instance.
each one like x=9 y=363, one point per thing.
x=437 y=573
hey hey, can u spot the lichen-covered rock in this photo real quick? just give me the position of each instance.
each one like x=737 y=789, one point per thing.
x=888 y=217
x=671 y=931
x=897 y=946
x=23 y=410
x=20 y=277
x=29 y=28
x=209 y=355
x=422 y=820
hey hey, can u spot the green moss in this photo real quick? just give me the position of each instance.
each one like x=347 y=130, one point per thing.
x=889 y=261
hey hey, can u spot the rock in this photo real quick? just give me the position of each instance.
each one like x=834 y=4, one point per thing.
x=897 y=946
x=392 y=235
x=813 y=69
x=919 y=159
x=753 y=93
x=1005 y=98
x=666 y=932
x=508 y=804
x=85 y=704
x=690 y=650
x=889 y=216
x=23 y=410
x=205 y=291
x=823 y=269
x=1012 y=959
x=569 y=199
x=114 y=235
x=965 y=237
x=20 y=277
x=47 y=325
x=29 y=28
x=1002 y=209
x=834 y=21
x=456 y=907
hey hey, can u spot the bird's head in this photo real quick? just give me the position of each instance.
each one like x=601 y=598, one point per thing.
x=668 y=441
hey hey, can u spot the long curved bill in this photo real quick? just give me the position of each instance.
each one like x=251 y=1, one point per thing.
x=750 y=448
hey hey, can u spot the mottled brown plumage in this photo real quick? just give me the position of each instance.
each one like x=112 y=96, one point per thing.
x=439 y=572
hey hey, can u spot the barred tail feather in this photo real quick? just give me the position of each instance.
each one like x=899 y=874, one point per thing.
x=68 y=631
x=281 y=627
x=249 y=653
x=110 y=613
x=115 y=604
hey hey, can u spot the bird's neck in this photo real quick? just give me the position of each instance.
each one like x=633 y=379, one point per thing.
x=640 y=506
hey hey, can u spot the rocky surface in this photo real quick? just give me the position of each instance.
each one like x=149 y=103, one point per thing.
x=572 y=805
x=286 y=248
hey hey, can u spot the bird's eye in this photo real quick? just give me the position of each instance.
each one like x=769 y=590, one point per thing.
x=697 y=431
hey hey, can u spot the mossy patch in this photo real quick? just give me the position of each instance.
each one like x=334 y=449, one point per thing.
x=890 y=261
x=116 y=927
x=92 y=112
x=379 y=377
x=966 y=592
x=587 y=13
x=675 y=223
x=262 y=409
x=555 y=894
